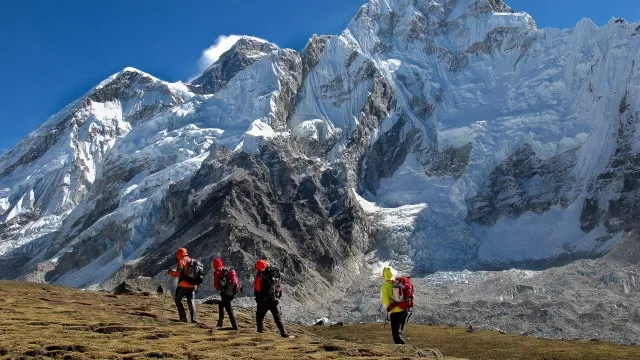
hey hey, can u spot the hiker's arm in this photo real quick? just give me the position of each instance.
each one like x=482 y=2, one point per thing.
x=256 y=286
x=216 y=280
x=383 y=297
x=176 y=273
x=387 y=299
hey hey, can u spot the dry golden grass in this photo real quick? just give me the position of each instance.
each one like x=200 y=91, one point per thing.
x=486 y=345
x=42 y=321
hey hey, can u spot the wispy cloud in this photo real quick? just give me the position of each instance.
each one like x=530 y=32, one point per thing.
x=213 y=52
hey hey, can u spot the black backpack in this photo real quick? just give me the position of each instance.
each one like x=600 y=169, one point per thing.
x=195 y=275
x=270 y=286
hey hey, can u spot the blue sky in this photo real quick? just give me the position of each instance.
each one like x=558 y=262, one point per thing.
x=51 y=52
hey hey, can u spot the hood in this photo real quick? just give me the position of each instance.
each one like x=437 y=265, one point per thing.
x=387 y=273
x=217 y=264
x=181 y=253
x=262 y=265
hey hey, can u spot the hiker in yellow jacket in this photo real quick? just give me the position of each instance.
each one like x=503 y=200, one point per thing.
x=397 y=316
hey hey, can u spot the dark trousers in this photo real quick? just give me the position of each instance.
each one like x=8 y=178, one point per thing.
x=265 y=306
x=398 y=319
x=225 y=304
x=182 y=292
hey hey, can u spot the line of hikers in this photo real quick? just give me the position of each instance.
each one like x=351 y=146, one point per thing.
x=267 y=290
x=396 y=293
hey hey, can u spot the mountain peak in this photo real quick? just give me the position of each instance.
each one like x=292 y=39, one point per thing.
x=432 y=10
x=248 y=39
x=249 y=47
x=132 y=70
x=246 y=51
x=128 y=73
x=452 y=25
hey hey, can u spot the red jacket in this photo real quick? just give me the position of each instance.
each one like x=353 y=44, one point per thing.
x=182 y=268
x=257 y=284
x=217 y=271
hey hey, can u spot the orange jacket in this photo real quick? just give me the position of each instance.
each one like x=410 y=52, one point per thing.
x=182 y=268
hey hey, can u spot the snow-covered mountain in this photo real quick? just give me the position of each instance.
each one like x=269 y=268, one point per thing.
x=436 y=134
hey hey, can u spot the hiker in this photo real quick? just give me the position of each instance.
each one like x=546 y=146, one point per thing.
x=268 y=292
x=187 y=283
x=397 y=297
x=226 y=282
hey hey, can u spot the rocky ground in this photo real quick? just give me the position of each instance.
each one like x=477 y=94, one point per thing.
x=588 y=299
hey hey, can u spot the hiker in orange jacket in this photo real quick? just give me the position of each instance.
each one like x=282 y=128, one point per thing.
x=267 y=291
x=184 y=289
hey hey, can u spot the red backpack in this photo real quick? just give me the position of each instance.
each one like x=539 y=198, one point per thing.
x=403 y=292
x=229 y=282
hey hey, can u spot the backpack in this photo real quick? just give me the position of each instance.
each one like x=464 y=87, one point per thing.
x=229 y=283
x=403 y=292
x=195 y=274
x=271 y=287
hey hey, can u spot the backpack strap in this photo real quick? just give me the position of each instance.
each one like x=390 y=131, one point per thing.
x=392 y=306
x=183 y=269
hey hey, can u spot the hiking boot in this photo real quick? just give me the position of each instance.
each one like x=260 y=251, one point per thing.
x=285 y=335
x=399 y=341
x=219 y=324
x=234 y=328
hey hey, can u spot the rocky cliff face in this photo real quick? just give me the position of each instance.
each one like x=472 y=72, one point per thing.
x=438 y=135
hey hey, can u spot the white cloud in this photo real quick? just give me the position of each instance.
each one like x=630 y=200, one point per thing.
x=213 y=52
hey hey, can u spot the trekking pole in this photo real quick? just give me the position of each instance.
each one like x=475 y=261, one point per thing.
x=165 y=297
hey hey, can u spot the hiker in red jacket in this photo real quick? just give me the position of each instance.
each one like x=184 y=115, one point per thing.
x=184 y=289
x=226 y=282
x=268 y=291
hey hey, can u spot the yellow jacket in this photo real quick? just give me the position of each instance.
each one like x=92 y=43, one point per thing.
x=386 y=290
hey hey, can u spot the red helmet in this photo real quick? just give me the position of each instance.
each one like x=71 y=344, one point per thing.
x=262 y=265
x=182 y=252
x=217 y=264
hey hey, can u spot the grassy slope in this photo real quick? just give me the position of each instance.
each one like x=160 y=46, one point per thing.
x=39 y=321
x=486 y=345
x=42 y=321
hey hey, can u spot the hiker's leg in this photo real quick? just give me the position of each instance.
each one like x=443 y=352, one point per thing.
x=396 y=322
x=261 y=311
x=232 y=316
x=405 y=315
x=220 y=312
x=191 y=302
x=277 y=317
x=180 y=293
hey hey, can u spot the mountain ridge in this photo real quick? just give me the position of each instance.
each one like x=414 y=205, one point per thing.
x=438 y=130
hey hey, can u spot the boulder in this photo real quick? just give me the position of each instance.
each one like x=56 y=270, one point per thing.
x=138 y=285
